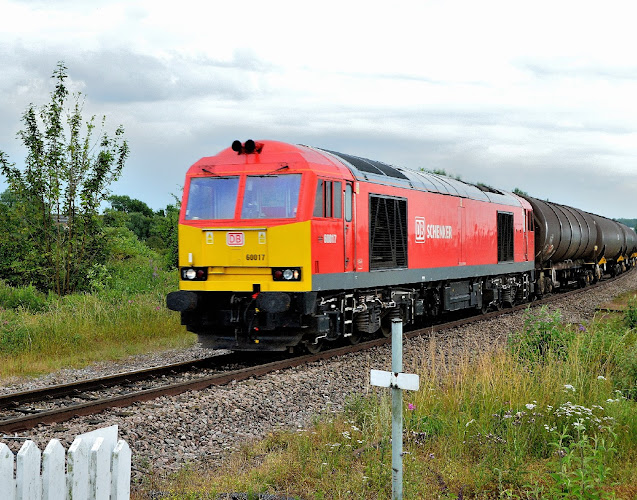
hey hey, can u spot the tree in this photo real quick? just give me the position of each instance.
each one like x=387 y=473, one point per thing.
x=123 y=203
x=166 y=229
x=66 y=176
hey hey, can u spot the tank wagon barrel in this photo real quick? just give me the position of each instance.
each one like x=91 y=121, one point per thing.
x=572 y=244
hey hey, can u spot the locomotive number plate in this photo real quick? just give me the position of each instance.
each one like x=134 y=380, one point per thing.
x=255 y=256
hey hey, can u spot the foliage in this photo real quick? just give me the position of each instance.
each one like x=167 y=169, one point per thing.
x=628 y=222
x=519 y=192
x=123 y=203
x=165 y=228
x=26 y=297
x=56 y=197
x=157 y=230
x=580 y=464
x=630 y=315
x=543 y=335
x=124 y=314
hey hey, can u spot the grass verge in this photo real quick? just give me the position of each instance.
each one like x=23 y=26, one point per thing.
x=551 y=415
x=40 y=334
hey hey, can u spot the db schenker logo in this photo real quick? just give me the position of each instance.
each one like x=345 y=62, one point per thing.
x=421 y=229
x=235 y=239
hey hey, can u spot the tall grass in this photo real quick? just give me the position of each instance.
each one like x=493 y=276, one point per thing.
x=125 y=314
x=550 y=415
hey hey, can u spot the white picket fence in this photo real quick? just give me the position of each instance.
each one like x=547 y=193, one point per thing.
x=98 y=467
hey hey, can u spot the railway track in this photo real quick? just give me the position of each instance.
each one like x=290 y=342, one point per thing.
x=55 y=404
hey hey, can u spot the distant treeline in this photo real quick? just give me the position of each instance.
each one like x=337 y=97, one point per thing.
x=629 y=222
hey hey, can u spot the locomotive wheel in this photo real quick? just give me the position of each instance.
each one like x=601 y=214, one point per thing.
x=549 y=286
x=355 y=338
x=385 y=328
x=314 y=347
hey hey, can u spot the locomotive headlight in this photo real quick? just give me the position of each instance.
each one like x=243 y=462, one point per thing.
x=288 y=274
x=194 y=273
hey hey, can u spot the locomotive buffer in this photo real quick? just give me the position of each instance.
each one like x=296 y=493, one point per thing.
x=397 y=381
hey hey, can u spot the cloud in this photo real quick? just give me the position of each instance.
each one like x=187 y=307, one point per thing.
x=124 y=76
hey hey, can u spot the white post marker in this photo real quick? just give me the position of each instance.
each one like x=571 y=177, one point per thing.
x=397 y=381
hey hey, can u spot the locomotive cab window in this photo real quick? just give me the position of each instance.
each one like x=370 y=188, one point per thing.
x=212 y=198
x=271 y=197
x=348 y=202
x=329 y=199
x=505 y=237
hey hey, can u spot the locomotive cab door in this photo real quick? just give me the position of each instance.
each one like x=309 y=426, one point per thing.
x=328 y=228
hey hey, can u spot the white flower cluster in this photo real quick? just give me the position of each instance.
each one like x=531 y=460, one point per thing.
x=581 y=416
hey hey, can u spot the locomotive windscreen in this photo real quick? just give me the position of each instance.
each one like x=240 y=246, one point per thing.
x=212 y=198
x=271 y=196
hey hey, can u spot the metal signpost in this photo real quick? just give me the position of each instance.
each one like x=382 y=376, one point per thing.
x=397 y=381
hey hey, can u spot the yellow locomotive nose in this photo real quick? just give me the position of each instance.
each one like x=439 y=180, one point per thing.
x=247 y=259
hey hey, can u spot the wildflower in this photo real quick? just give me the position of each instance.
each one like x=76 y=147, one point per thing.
x=601 y=377
x=431 y=456
x=579 y=425
x=569 y=387
x=582 y=328
x=411 y=406
x=530 y=406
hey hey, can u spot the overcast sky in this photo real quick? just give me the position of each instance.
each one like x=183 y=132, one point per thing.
x=539 y=95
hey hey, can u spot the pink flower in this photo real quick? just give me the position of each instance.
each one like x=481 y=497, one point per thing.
x=411 y=406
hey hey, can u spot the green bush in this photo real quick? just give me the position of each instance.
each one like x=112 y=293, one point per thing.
x=543 y=335
x=26 y=297
x=630 y=315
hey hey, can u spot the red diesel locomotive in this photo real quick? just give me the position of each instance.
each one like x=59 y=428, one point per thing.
x=283 y=245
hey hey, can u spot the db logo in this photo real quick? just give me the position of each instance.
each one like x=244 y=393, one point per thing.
x=420 y=229
x=235 y=239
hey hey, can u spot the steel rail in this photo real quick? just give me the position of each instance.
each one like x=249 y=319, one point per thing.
x=74 y=388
